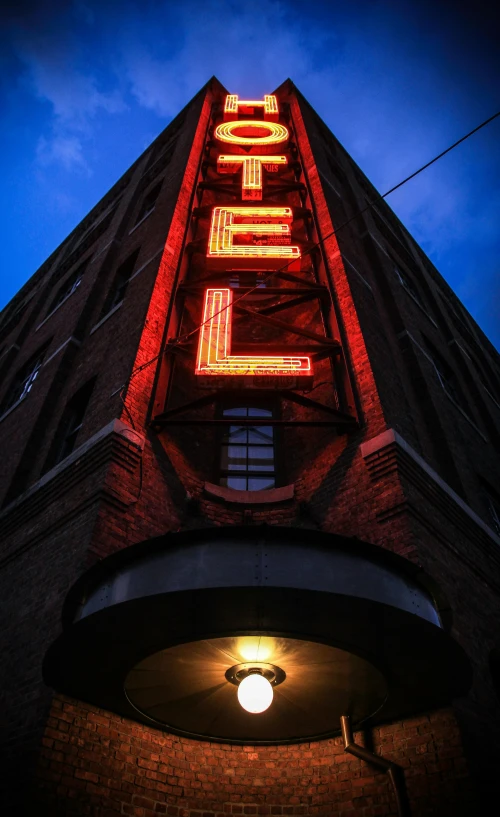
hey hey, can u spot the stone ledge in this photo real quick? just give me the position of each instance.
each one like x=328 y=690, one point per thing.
x=272 y=495
x=372 y=449
x=115 y=441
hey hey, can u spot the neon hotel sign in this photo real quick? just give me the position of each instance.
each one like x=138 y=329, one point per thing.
x=253 y=236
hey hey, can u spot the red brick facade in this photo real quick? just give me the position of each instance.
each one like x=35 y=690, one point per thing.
x=410 y=478
x=93 y=759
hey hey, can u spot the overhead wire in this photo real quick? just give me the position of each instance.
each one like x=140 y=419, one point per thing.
x=171 y=344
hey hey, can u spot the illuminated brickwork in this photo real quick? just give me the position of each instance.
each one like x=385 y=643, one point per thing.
x=163 y=774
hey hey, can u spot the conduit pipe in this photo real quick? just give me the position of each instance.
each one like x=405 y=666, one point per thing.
x=395 y=773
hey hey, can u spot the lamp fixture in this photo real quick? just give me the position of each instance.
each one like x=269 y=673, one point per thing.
x=376 y=650
x=255 y=681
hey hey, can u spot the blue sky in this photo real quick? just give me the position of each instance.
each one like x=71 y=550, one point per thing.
x=86 y=86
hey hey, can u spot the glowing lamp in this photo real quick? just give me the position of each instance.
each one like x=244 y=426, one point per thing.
x=251 y=132
x=255 y=693
x=255 y=681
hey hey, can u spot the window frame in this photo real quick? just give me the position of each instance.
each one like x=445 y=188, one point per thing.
x=76 y=408
x=408 y=285
x=111 y=301
x=21 y=384
x=142 y=212
x=447 y=375
x=75 y=280
x=249 y=400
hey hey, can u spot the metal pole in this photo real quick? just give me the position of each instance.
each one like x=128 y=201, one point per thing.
x=394 y=772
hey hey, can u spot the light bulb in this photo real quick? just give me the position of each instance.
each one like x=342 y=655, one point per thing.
x=255 y=693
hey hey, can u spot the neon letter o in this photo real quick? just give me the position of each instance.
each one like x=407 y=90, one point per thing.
x=275 y=133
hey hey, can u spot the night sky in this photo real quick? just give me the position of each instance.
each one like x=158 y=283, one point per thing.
x=86 y=86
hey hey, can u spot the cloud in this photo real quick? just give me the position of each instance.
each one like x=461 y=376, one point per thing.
x=66 y=151
x=74 y=96
x=251 y=48
x=154 y=84
x=54 y=53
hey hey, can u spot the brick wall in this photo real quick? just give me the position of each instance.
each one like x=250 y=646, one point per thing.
x=96 y=763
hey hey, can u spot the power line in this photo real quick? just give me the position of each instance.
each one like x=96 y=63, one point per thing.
x=183 y=338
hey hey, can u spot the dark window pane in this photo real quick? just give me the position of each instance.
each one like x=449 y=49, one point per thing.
x=32 y=376
x=148 y=203
x=446 y=375
x=120 y=283
x=23 y=383
x=68 y=287
x=408 y=284
x=69 y=441
x=119 y=294
x=70 y=425
x=260 y=483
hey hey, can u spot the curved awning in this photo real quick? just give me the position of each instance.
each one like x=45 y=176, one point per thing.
x=152 y=631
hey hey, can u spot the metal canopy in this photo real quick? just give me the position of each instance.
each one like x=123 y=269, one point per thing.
x=150 y=632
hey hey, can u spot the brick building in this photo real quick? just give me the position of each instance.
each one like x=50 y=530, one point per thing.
x=346 y=444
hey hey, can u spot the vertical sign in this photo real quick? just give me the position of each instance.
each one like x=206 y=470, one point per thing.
x=258 y=235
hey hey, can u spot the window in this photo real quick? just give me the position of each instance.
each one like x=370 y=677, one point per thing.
x=23 y=382
x=247 y=460
x=392 y=234
x=446 y=375
x=408 y=284
x=247 y=279
x=96 y=229
x=148 y=202
x=67 y=289
x=459 y=320
x=70 y=425
x=159 y=161
x=120 y=283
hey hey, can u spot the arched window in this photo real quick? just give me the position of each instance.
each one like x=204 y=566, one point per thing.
x=248 y=456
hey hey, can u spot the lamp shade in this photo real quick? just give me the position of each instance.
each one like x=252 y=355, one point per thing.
x=153 y=631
